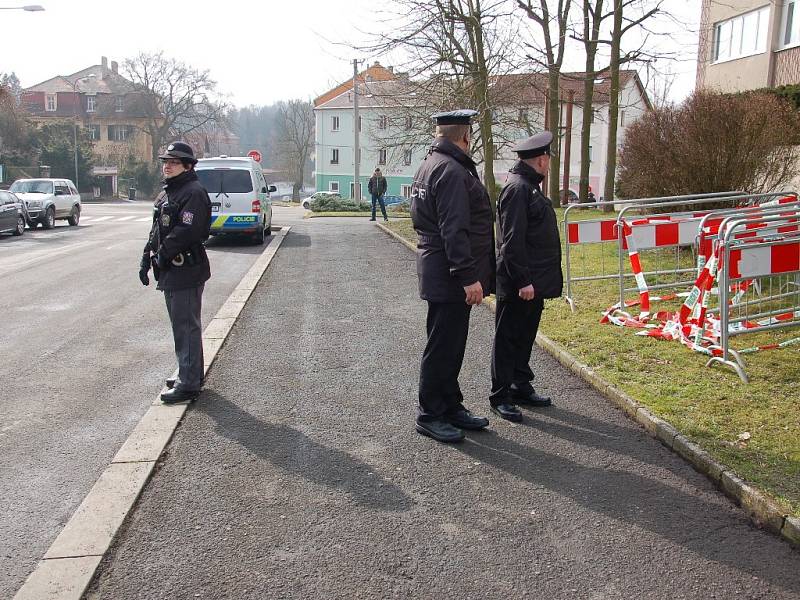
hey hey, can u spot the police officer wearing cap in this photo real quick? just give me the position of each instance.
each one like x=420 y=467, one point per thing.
x=452 y=215
x=528 y=271
x=175 y=252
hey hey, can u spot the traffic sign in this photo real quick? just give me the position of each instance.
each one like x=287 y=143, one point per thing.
x=255 y=155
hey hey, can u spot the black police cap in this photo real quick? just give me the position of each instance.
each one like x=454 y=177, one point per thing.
x=180 y=150
x=536 y=145
x=455 y=117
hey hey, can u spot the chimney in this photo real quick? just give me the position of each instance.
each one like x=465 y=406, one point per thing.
x=115 y=66
x=391 y=69
x=104 y=64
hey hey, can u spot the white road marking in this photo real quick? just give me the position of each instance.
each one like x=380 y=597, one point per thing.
x=125 y=219
x=13 y=263
x=102 y=219
x=144 y=220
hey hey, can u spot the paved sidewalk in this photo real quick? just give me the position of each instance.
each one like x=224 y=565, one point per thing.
x=298 y=473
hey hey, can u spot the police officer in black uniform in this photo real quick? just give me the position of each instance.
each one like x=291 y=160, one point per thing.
x=453 y=217
x=528 y=271
x=175 y=252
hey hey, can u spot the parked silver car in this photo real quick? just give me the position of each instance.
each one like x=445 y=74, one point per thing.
x=48 y=200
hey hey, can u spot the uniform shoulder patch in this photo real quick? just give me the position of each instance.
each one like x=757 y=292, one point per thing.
x=187 y=217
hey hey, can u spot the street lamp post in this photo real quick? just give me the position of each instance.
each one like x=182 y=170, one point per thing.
x=75 y=123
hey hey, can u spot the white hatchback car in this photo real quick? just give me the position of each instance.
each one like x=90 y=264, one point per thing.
x=48 y=200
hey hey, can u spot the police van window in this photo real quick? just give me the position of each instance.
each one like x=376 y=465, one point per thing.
x=225 y=181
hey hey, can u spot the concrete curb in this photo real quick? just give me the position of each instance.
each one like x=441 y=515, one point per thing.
x=69 y=565
x=762 y=511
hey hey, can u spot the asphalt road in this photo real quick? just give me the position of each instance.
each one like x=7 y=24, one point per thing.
x=84 y=349
x=298 y=473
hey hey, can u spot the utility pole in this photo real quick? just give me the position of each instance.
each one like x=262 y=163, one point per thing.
x=356 y=157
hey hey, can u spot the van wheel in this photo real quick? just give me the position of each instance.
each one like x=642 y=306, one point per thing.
x=258 y=237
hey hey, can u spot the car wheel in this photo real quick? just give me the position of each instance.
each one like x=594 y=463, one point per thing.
x=258 y=237
x=20 y=225
x=75 y=216
x=49 y=218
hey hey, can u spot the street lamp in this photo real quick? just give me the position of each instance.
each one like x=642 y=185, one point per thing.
x=28 y=8
x=75 y=124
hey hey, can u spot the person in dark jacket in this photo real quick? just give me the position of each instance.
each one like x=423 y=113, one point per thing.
x=377 y=188
x=528 y=272
x=175 y=252
x=452 y=215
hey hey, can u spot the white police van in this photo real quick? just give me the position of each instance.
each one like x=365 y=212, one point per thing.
x=240 y=201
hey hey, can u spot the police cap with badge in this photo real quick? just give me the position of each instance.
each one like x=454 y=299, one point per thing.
x=454 y=117
x=536 y=145
x=179 y=150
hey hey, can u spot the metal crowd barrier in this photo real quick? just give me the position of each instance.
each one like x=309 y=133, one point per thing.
x=669 y=232
x=758 y=279
x=599 y=231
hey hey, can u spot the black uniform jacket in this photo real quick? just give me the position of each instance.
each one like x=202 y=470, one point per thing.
x=453 y=217
x=530 y=247
x=181 y=223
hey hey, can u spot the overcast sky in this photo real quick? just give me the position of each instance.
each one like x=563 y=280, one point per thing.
x=258 y=51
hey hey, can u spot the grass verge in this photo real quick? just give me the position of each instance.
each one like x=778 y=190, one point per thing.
x=752 y=428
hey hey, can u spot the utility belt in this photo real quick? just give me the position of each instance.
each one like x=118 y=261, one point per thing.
x=189 y=258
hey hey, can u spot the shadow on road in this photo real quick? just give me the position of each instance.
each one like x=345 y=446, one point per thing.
x=646 y=503
x=294 y=452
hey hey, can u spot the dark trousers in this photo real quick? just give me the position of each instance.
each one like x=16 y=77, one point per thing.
x=516 y=324
x=447 y=326
x=184 y=308
x=378 y=199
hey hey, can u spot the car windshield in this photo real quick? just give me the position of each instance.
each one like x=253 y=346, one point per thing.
x=225 y=181
x=32 y=186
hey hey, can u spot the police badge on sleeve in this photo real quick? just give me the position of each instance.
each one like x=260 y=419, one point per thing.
x=187 y=218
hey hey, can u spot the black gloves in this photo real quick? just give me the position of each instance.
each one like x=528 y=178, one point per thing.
x=144 y=267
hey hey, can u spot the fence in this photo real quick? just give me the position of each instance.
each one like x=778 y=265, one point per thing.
x=605 y=231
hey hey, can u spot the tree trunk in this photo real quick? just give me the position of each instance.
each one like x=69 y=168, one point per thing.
x=613 y=107
x=553 y=118
x=590 y=45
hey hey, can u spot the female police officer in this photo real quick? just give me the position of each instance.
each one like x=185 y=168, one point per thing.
x=174 y=249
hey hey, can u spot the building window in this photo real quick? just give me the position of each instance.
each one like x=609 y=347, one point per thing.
x=91 y=103
x=382 y=156
x=335 y=156
x=334 y=123
x=119 y=104
x=409 y=122
x=495 y=152
x=118 y=133
x=359 y=123
x=743 y=35
x=333 y=186
x=94 y=132
x=590 y=154
x=622 y=118
x=522 y=117
x=382 y=122
x=790 y=24
x=405 y=191
x=353 y=191
x=50 y=103
x=594 y=114
x=407 y=157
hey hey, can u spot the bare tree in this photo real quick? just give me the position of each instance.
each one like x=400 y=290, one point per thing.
x=592 y=18
x=454 y=49
x=295 y=139
x=555 y=30
x=175 y=98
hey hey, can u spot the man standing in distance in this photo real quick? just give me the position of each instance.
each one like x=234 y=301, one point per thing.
x=453 y=217
x=377 y=188
x=528 y=271
x=174 y=249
